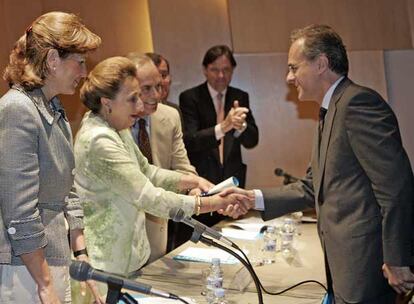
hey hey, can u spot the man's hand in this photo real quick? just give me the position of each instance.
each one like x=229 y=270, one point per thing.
x=400 y=278
x=240 y=120
x=235 y=118
x=243 y=205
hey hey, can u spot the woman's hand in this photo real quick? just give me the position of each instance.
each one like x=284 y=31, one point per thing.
x=231 y=202
x=236 y=210
x=195 y=183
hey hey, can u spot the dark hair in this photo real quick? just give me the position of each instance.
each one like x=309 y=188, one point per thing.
x=217 y=51
x=322 y=39
x=105 y=80
x=157 y=59
x=55 y=30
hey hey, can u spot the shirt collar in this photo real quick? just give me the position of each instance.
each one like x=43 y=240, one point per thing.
x=328 y=95
x=213 y=93
x=147 y=121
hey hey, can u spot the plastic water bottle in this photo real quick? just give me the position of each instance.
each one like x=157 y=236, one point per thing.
x=286 y=233
x=269 y=245
x=220 y=297
x=214 y=280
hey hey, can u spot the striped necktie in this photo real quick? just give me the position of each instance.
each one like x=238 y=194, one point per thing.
x=143 y=140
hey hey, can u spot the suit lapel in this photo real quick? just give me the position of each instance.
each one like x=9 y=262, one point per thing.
x=326 y=134
x=156 y=134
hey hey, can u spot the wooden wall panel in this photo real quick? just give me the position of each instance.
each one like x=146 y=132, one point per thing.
x=183 y=31
x=123 y=26
x=410 y=4
x=399 y=67
x=265 y=25
x=287 y=125
x=367 y=68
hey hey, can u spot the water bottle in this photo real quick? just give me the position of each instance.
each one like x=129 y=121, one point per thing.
x=286 y=234
x=220 y=296
x=214 y=280
x=269 y=245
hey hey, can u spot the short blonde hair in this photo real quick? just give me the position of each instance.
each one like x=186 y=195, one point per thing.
x=55 y=30
x=105 y=80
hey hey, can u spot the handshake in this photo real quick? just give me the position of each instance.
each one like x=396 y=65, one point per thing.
x=225 y=198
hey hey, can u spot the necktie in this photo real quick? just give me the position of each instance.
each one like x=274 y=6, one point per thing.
x=220 y=118
x=143 y=140
x=322 y=113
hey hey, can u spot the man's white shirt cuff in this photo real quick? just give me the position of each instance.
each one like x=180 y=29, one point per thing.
x=218 y=132
x=258 y=200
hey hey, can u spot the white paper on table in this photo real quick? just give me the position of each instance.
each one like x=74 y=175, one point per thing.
x=158 y=300
x=249 y=227
x=205 y=255
x=239 y=234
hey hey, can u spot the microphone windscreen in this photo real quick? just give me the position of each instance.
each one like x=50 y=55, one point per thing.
x=279 y=172
x=79 y=270
x=176 y=214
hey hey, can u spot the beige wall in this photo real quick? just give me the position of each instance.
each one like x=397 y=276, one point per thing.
x=264 y=25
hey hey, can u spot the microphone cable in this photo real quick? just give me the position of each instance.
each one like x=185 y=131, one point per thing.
x=284 y=290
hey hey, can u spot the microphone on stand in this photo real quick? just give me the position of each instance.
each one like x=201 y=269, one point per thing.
x=178 y=215
x=82 y=271
x=287 y=178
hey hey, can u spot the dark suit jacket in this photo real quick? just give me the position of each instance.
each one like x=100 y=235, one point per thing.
x=362 y=188
x=199 y=117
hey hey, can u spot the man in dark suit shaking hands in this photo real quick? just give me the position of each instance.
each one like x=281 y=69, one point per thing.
x=217 y=121
x=360 y=179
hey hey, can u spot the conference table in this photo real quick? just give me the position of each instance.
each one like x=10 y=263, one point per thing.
x=185 y=278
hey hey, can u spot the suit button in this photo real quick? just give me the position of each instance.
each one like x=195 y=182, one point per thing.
x=11 y=230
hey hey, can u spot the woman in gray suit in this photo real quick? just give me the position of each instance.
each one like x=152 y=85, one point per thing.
x=37 y=163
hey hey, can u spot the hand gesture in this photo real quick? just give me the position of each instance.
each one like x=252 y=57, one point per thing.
x=235 y=118
x=400 y=278
x=240 y=118
x=245 y=200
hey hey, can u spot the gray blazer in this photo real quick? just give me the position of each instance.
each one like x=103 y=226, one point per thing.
x=362 y=188
x=36 y=178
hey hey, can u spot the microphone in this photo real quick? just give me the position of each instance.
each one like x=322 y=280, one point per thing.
x=82 y=271
x=177 y=215
x=287 y=177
